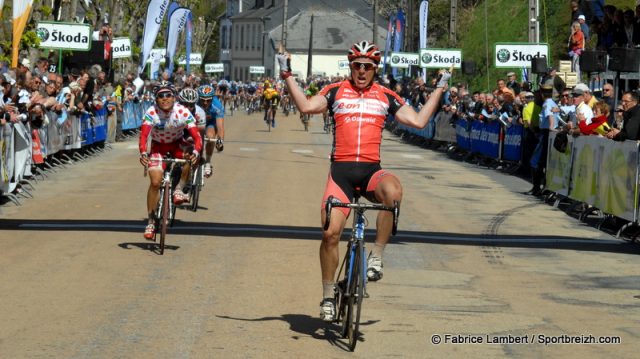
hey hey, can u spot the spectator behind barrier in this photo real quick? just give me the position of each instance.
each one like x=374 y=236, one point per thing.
x=631 y=119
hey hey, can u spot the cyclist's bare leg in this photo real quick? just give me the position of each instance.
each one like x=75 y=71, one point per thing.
x=153 y=194
x=329 y=250
x=220 y=127
x=211 y=134
x=387 y=191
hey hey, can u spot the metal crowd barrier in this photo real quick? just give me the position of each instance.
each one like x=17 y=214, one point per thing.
x=26 y=152
x=599 y=172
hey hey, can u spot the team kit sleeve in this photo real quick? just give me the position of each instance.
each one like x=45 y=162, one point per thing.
x=395 y=101
x=145 y=129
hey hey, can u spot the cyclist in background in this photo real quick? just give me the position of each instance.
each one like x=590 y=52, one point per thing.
x=359 y=107
x=188 y=98
x=165 y=123
x=271 y=98
x=214 y=113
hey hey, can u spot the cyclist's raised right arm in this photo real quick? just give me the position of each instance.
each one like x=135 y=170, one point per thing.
x=316 y=104
x=145 y=131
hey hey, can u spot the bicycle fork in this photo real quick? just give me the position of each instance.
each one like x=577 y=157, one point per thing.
x=358 y=245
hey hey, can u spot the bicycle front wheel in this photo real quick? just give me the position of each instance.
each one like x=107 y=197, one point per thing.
x=196 y=187
x=164 y=215
x=354 y=302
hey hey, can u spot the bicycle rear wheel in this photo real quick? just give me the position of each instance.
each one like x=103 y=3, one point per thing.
x=164 y=215
x=354 y=302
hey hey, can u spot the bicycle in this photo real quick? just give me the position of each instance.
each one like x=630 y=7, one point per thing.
x=304 y=118
x=351 y=290
x=269 y=114
x=328 y=124
x=165 y=213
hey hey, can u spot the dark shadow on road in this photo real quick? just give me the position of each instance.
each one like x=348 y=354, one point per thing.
x=313 y=233
x=308 y=326
x=147 y=246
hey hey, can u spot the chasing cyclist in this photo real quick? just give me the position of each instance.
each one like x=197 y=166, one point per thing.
x=359 y=107
x=271 y=99
x=165 y=123
x=214 y=123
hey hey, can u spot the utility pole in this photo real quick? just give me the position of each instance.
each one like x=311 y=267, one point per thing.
x=375 y=21
x=534 y=25
x=283 y=40
x=309 y=62
x=453 y=22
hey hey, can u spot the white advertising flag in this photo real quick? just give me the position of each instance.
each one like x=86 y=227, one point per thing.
x=177 y=20
x=155 y=13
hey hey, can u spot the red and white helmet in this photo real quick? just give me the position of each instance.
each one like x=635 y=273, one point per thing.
x=364 y=49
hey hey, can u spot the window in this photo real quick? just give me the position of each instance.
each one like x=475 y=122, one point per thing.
x=224 y=38
x=241 y=37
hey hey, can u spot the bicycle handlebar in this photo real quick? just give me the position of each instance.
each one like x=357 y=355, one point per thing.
x=362 y=206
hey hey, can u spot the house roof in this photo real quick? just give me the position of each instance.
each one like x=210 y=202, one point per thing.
x=332 y=30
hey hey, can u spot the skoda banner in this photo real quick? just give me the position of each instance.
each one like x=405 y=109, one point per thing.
x=157 y=53
x=59 y=35
x=194 y=59
x=518 y=55
x=343 y=64
x=440 y=58
x=219 y=67
x=121 y=47
x=256 y=69
x=403 y=60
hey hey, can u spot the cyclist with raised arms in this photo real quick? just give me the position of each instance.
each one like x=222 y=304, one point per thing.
x=214 y=123
x=164 y=123
x=359 y=107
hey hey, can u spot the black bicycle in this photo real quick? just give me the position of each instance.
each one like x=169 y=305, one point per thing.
x=351 y=289
x=165 y=213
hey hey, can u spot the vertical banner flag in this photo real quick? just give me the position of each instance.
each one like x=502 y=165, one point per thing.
x=399 y=36
x=21 y=11
x=189 y=36
x=177 y=21
x=424 y=20
x=155 y=13
x=387 y=45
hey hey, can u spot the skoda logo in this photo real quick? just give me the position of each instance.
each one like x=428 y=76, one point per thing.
x=42 y=33
x=395 y=59
x=503 y=55
x=426 y=58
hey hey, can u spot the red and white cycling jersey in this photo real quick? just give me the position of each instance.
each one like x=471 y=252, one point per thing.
x=359 y=119
x=168 y=127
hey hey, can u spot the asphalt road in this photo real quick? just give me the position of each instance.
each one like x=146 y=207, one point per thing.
x=474 y=260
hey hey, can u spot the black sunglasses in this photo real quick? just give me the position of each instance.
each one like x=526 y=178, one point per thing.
x=164 y=95
x=367 y=66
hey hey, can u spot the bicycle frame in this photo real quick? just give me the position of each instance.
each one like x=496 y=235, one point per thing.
x=352 y=289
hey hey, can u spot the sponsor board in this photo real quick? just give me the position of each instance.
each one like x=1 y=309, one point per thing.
x=194 y=59
x=219 y=67
x=440 y=58
x=404 y=59
x=157 y=53
x=121 y=47
x=518 y=55
x=256 y=69
x=343 y=64
x=64 y=36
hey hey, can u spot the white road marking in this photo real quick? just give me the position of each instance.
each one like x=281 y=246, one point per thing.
x=303 y=152
x=248 y=149
x=130 y=147
x=412 y=156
